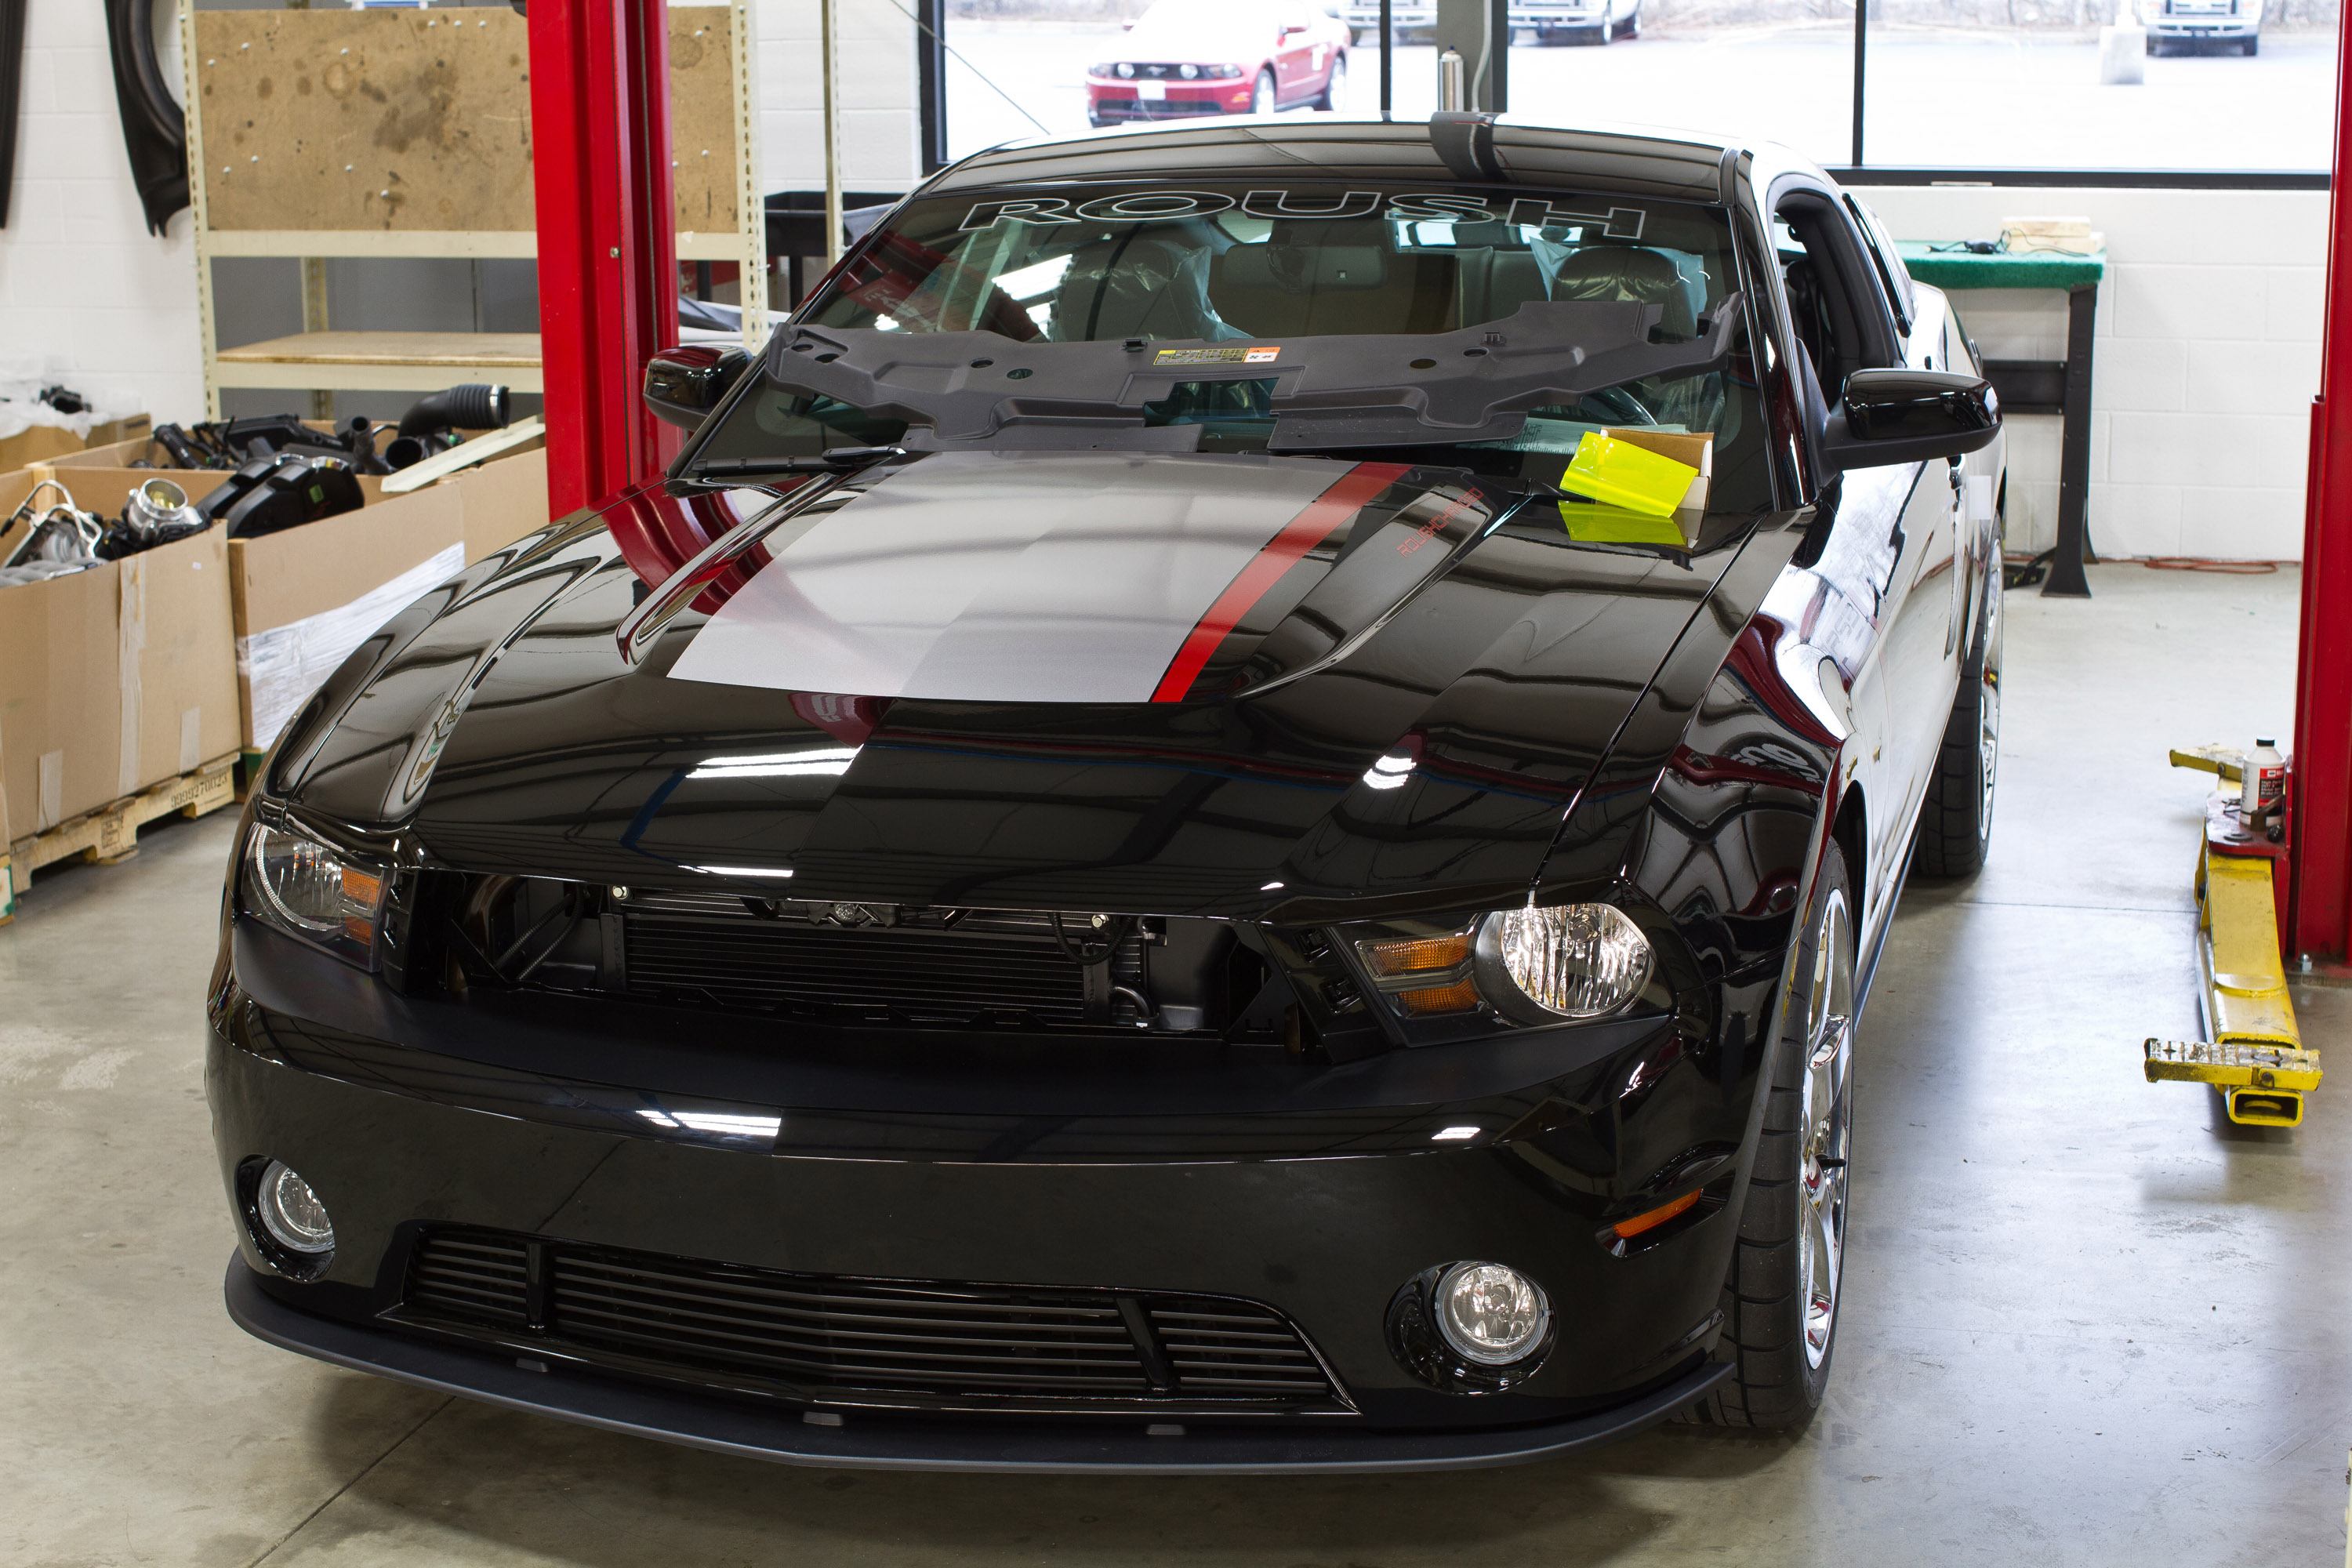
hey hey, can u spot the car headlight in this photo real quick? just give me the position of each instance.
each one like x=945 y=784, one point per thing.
x=1126 y=69
x=1533 y=964
x=1221 y=72
x=310 y=890
x=1188 y=71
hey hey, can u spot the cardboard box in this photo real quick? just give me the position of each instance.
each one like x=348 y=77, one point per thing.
x=104 y=490
x=113 y=678
x=306 y=597
x=505 y=499
x=42 y=443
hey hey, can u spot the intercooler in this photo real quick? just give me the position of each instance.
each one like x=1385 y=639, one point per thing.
x=851 y=964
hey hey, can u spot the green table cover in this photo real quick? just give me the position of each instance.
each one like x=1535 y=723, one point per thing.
x=2025 y=269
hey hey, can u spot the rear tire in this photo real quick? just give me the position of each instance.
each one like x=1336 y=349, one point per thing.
x=1956 y=822
x=1780 y=1297
x=1335 y=86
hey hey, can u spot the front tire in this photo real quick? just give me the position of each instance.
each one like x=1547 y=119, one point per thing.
x=1956 y=822
x=1261 y=98
x=1780 y=1299
x=2251 y=48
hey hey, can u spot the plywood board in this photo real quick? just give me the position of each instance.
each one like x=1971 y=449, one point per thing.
x=457 y=351
x=398 y=121
x=703 y=125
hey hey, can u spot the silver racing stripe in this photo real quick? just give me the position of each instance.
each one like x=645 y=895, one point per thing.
x=1007 y=577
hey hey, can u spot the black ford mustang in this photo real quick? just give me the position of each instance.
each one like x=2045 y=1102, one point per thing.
x=1154 y=854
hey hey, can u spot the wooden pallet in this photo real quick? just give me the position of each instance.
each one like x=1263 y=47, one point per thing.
x=109 y=834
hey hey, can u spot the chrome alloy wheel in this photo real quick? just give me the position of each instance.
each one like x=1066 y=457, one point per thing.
x=1828 y=1126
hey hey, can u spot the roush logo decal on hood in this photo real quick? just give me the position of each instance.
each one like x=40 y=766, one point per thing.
x=1014 y=577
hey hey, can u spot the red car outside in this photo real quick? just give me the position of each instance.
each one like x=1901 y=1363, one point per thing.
x=1184 y=58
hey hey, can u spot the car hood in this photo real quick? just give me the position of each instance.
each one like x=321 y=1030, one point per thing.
x=1170 y=684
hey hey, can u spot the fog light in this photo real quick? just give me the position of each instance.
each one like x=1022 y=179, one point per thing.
x=292 y=1213
x=1491 y=1314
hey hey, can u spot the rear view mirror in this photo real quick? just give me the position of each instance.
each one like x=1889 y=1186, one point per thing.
x=684 y=385
x=1909 y=416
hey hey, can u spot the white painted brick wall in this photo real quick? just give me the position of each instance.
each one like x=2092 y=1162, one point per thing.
x=2205 y=360
x=83 y=285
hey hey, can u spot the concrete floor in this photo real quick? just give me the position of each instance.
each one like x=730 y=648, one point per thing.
x=2035 y=1364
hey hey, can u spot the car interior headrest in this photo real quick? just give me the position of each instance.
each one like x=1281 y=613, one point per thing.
x=1628 y=272
x=1140 y=286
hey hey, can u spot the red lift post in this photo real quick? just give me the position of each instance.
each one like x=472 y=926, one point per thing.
x=2320 y=818
x=607 y=236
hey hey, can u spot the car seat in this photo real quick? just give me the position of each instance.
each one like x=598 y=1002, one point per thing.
x=1630 y=272
x=1324 y=275
x=1143 y=284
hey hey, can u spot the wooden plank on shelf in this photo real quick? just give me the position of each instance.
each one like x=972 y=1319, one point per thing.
x=110 y=834
x=418 y=123
x=377 y=245
x=374 y=244
x=486 y=350
x=417 y=378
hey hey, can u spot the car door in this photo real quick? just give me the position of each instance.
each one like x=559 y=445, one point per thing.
x=1294 y=47
x=1889 y=551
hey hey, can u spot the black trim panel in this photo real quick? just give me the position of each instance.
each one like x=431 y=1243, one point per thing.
x=912 y=1445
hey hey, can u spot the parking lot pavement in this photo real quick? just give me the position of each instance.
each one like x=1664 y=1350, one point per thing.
x=1937 y=96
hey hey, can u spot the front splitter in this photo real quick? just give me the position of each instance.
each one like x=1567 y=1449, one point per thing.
x=897 y=1443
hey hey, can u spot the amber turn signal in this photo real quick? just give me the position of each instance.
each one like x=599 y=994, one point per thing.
x=1415 y=955
x=1627 y=1229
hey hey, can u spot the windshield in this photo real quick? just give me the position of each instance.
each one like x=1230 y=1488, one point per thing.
x=1228 y=267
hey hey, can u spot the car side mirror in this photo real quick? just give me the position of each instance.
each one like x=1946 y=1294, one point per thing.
x=1291 y=30
x=1909 y=416
x=684 y=385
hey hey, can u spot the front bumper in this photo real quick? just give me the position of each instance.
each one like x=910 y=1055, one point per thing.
x=898 y=1443
x=1188 y=100
x=1303 y=1200
x=2204 y=27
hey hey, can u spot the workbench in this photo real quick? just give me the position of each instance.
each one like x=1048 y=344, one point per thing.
x=2039 y=386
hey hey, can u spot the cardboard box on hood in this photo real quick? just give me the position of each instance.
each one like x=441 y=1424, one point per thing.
x=113 y=678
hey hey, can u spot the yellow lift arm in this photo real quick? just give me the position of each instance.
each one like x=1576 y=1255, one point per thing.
x=2256 y=1055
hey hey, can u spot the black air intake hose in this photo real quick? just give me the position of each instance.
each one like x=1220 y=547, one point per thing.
x=475 y=407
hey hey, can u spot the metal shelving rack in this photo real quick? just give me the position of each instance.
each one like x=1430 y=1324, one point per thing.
x=445 y=164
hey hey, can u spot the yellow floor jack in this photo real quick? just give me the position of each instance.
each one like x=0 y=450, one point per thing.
x=2255 y=1055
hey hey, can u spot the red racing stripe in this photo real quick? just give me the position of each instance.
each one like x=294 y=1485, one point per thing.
x=1334 y=509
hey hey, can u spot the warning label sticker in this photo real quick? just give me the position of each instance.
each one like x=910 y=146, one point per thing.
x=1225 y=354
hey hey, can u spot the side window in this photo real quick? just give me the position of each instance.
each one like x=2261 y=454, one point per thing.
x=1959 y=350
x=1892 y=276
x=1837 y=308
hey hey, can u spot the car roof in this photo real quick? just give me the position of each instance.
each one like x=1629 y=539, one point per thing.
x=1622 y=158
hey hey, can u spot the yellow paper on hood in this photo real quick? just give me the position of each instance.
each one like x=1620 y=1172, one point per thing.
x=1624 y=475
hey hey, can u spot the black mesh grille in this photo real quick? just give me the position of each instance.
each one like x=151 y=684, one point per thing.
x=815 y=1334
x=1236 y=1348
x=989 y=966
x=481 y=1279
